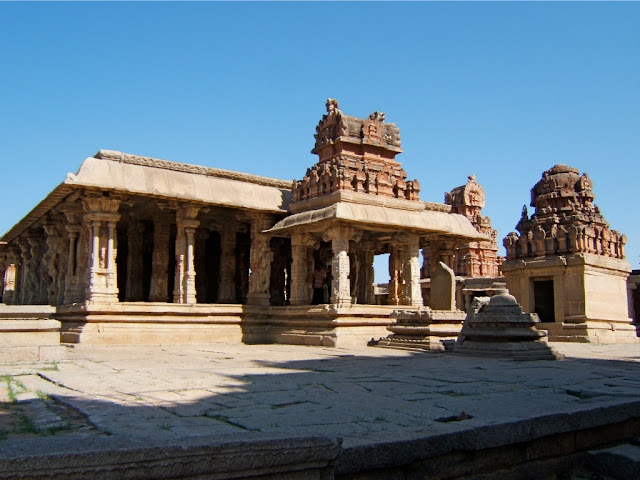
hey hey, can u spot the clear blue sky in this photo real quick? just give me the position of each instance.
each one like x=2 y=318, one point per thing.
x=501 y=90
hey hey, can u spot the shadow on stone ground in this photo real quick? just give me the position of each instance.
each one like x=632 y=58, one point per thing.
x=367 y=397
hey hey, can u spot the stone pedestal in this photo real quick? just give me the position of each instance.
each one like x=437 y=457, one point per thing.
x=499 y=328
x=423 y=329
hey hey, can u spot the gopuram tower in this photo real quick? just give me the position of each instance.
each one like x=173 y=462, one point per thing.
x=567 y=265
x=356 y=202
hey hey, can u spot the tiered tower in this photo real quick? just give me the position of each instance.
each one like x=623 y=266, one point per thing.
x=355 y=154
x=565 y=220
x=474 y=259
x=567 y=265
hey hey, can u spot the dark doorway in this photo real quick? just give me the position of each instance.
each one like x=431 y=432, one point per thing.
x=207 y=265
x=544 y=301
x=147 y=259
x=243 y=251
x=171 y=270
x=122 y=254
x=280 y=284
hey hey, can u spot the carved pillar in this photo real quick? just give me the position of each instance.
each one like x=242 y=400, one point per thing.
x=260 y=259
x=185 y=282
x=101 y=218
x=37 y=292
x=227 y=288
x=366 y=294
x=55 y=263
x=340 y=285
x=411 y=269
x=24 y=272
x=394 y=296
x=299 y=272
x=160 y=260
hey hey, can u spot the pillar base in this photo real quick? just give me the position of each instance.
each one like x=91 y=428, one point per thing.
x=258 y=299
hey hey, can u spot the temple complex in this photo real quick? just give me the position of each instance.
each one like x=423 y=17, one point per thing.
x=132 y=249
x=567 y=265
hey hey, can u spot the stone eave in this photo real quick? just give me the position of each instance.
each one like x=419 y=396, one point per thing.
x=41 y=209
x=380 y=218
x=134 y=175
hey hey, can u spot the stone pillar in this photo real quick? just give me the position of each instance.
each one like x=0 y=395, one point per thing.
x=260 y=259
x=300 y=268
x=71 y=279
x=101 y=218
x=37 y=293
x=185 y=282
x=55 y=263
x=340 y=285
x=411 y=269
x=395 y=275
x=24 y=286
x=227 y=284
x=160 y=259
x=366 y=294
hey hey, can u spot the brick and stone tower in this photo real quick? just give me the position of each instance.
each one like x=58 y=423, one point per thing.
x=358 y=155
x=567 y=265
x=474 y=259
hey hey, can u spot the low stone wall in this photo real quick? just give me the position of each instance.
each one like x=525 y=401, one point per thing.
x=28 y=333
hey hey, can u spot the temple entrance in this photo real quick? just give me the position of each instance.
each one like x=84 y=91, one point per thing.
x=543 y=300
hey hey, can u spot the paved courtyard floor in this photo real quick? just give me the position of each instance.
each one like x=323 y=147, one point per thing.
x=362 y=395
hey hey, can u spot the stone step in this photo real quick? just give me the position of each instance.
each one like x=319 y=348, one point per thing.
x=621 y=462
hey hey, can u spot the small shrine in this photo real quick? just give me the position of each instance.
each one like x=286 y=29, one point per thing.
x=565 y=263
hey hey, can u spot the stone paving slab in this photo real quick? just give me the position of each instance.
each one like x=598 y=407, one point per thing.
x=364 y=395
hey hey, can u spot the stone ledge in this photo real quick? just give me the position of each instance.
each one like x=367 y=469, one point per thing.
x=203 y=457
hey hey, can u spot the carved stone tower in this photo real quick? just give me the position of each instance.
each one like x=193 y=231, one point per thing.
x=567 y=265
x=356 y=154
x=474 y=259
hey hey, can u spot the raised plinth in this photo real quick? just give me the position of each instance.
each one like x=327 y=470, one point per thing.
x=145 y=323
x=29 y=334
x=423 y=329
x=320 y=325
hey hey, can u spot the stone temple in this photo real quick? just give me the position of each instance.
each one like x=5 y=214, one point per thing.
x=136 y=250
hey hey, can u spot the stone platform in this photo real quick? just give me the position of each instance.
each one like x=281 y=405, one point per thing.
x=147 y=323
x=183 y=411
x=28 y=333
